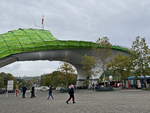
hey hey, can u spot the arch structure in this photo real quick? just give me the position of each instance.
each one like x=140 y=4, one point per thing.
x=39 y=44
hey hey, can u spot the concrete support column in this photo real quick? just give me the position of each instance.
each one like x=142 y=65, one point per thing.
x=80 y=78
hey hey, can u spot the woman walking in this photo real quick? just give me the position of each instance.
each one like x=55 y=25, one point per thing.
x=71 y=94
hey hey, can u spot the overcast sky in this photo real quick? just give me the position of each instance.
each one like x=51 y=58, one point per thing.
x=120 y=20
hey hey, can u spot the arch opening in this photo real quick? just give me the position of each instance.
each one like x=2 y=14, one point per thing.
x=33 y=68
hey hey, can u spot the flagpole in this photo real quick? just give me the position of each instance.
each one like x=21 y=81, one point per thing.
x=42 y=22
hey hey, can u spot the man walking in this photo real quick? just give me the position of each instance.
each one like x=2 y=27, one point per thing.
x=71 y=94
x=32 y=92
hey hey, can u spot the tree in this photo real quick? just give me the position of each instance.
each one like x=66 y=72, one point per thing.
x=4 y=77
x=67 y=71
x=104 y=41
x=120 y=66
x=1 y=82
x=20 y=82
x=88 y=63
x=58 y=79
x=45 y=79
x=140 y=57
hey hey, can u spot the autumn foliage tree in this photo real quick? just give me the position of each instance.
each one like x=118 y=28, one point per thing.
x=67 y=70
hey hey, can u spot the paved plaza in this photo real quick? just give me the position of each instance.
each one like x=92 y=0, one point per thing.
x=120 y=101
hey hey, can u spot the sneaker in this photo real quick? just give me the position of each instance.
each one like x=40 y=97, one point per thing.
x=74 y=102
x=67 y=102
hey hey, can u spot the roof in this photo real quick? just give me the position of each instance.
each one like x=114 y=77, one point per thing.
x=139 y=77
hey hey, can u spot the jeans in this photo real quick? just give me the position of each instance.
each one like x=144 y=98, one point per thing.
x=50 y=95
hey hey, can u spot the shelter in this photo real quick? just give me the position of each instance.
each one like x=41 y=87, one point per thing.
x=137 y=81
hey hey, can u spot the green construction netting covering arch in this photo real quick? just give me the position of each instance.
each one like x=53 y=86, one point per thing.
x=30 y=40
x=20 y=40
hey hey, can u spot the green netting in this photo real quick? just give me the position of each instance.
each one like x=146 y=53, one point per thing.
x=29 y=40
x=23 y=40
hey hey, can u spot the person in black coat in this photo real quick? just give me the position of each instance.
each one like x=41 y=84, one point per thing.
x=71 y=94
x=33 y=92
x=24 y=91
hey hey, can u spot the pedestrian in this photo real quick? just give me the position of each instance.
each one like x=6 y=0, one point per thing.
x=93 y=86
x=71 y=94
x=24 y=91
x=17 y=90
x=32 y=92
x=50 y=93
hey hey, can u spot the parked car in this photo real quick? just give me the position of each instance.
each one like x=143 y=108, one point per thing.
x=62 y=89
x=2 y=90
x=42 y=88
x=58 y=88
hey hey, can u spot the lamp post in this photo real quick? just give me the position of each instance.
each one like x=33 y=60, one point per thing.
x=110 y=78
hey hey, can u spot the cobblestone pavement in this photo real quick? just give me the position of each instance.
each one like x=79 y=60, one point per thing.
x=120 y=101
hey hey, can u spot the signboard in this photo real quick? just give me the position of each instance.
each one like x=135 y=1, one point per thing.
x=10 y=85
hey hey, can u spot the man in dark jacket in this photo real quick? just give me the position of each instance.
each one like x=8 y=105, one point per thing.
x=23 y=91
x=50 y=93
x=33 y=92
x=71 y=94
